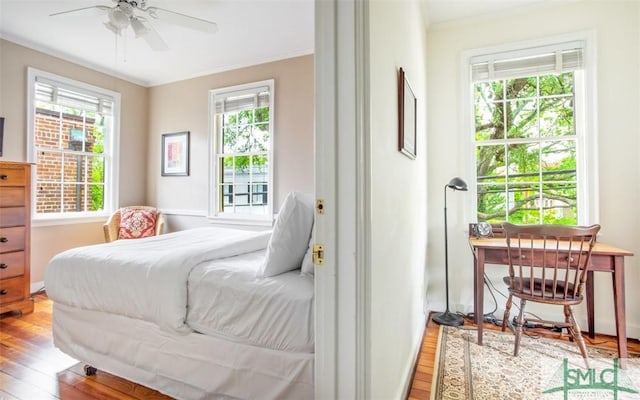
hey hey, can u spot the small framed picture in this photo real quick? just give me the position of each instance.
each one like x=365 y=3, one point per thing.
x=175 y=154
x=407 y=108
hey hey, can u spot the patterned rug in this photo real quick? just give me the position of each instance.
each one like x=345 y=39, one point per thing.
x=545 y=369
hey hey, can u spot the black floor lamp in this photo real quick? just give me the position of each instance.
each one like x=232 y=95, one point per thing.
x=448 y=318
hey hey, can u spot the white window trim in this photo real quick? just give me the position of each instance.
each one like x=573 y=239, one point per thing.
x=112 y=160
x=238 y=219
x=586 y=129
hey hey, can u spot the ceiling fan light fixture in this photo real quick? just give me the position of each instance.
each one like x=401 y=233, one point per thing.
x=118 y=18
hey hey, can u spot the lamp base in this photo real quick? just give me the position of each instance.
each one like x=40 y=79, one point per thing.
x=447 y=318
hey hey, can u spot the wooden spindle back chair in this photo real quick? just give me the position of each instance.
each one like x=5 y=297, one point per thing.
x=555 y=275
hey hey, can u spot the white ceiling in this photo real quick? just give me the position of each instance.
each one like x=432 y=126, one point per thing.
x=250 y=32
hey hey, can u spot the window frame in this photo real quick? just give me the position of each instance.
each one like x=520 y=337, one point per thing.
x=215 y=143
x=586 y=121
x=111 y=151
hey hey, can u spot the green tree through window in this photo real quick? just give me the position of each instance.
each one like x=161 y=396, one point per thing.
x=525 y=145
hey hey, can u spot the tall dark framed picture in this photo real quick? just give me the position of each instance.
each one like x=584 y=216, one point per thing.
x=407 y=108
x=175 y=154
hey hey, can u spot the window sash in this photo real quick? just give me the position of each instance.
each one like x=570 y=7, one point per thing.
x=230 y=101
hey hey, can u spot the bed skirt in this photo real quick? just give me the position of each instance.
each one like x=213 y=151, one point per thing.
x=184 y=366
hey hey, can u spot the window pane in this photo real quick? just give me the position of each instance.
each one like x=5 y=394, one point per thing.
x=74 y=168
x=229 y=140
x=73 y=198
x=521 y=88
x=522 y=119
x=96 y=193
x=262 y=114
x=48 y=199
x=488 y=113
x=556 y=116
x=556 y=84
x=47 y=128
x=524 y=203
x=524 y=163
x=491 y=202
x=490 y=163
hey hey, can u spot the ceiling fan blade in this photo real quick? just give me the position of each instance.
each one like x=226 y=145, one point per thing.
x=182 y=19
x=150 y=36
x=98 y=10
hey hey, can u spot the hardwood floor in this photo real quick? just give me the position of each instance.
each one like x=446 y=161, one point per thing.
x=32 y=368
x=423 y=375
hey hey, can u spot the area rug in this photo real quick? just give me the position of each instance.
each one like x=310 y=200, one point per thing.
x=544 y=369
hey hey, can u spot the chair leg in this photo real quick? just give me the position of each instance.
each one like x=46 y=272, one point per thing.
x=576 y=334
x=507 y=312
x=518 y=329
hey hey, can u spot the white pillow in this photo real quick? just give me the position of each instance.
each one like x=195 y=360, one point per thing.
x=307 y=261
x=291 y=233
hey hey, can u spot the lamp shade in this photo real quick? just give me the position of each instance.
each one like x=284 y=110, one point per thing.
x=457 y=184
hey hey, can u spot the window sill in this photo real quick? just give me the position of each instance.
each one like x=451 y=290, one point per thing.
x=227 y=220
x=57 y=219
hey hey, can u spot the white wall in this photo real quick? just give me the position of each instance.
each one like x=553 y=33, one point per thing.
x=617 y=28
x=398 y=197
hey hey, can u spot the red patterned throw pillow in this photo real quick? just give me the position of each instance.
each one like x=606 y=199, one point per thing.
x=137 y=223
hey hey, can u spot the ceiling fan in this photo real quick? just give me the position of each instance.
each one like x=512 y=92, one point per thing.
x=137 y=15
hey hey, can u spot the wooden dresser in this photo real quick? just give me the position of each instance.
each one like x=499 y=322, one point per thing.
x=15 y=237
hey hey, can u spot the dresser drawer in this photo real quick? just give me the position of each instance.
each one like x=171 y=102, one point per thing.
x=12 y=176
x=12 y=197
x=11 y=264
x=13 y=216
x=12 y=239
x=11 y=289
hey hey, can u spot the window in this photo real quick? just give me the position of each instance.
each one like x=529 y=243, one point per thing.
x=530 y=146
x=242 y=165
x=72 y=134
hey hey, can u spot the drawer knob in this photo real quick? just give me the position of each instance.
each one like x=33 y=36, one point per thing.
x=4 y=177
x=3 y=292
x=4 y=266
x=3 y=240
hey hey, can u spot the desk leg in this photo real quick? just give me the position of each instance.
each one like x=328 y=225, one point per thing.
x=619 y=303
x=478 y=291
x=590 y=305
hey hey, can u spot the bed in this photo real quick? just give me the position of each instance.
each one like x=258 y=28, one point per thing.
x=206 y=313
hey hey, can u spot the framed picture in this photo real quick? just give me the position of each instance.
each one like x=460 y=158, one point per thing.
x=175 y=154
x=407 y=107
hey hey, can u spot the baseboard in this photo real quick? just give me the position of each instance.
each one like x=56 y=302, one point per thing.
x=36 y=286
x=411 y=368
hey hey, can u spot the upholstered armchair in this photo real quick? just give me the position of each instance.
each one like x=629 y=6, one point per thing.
x=133 y=222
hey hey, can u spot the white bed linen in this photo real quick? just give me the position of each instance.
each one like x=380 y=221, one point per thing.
x=143 y=278
x=227 y=300
x=191 y=366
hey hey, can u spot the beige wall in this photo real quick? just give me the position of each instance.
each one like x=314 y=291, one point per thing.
x=183 y=106
x=46 y=241
x=617 y=28
x=398 y=197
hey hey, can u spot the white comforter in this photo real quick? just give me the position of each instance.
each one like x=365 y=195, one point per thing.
x=227 y=300
x=143 y=278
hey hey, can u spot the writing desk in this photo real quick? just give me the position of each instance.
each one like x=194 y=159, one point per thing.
x=604 y=258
